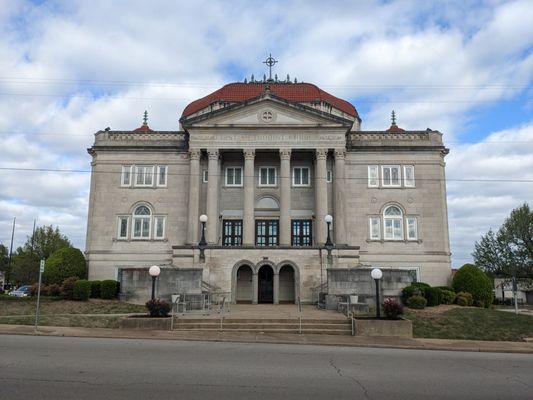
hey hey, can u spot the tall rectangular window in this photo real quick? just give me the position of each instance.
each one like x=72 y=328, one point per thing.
x=267 y=176
x=375 y=233
x=232 y=232
x=162 y=175
x=300 y=176
x=373 y=178
x=390 y=175
x=412 y=228
x=329 y=176
x=205 y=176
x=393 y=228
x=159 y=232
x=234 y=176
x=144 y=175
x=409 y=175
x=125 y=179
x=301 y=232
x=122 y=227
x=266 y=232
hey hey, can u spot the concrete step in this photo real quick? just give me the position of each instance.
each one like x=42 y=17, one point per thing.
x=274 y=330
x=265 y=320
x=232 y=326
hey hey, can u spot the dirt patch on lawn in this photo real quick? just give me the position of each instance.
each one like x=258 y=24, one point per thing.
x=428 y=311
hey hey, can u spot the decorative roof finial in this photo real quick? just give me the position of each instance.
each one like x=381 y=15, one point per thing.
x=145 y=118
x=393 y=118
x=270 y=61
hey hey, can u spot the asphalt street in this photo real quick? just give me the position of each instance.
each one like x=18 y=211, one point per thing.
x=83 y=368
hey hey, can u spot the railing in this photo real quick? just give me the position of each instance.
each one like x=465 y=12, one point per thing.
x=222 y=313
x=299 y=315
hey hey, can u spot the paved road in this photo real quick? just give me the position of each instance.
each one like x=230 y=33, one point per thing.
x=84 y=368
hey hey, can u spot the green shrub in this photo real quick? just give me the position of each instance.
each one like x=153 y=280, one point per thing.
x=464 y=295
x=417 y=302
x=433 y=296
x=95 y=289
x=67 y=289
x=64 y=263
x=158 y=308
x=414 y=289
x=461 y=301
x=82 y=290
x=108 y=289
x=473 y=280
x=392 y=308
x=449 y=288
x=448 y=296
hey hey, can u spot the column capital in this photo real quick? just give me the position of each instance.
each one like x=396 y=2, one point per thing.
x=249 y=154
x=194 y=154
x=285 y=154
x=340 y=154
x=213 y=154
x=321 y=154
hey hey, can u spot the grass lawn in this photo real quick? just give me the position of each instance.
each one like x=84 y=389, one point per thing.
x=49 y=306
x=469 y=323
x=84 y=321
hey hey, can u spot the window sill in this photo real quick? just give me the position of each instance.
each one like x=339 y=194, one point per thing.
x=138 y=240
x=418 y=241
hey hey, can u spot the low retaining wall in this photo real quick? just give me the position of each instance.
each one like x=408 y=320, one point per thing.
x=158 y=324
x=401 y=328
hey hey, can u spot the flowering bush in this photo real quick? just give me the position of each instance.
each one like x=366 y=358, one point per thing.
x=392 y=308
x=158 y=308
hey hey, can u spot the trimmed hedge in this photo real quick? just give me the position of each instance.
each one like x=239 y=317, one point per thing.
x=433 y=296
x=82 y=290
x=414 y=289
x=108 y=289
x=448 y=297
x=473 y=280
x=95 y=289
x=64 y=263
x=464 y=299
x=67 y=289
x=416 y=302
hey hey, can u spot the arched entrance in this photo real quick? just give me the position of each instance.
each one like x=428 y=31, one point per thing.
x=244 y=292
x=265 y=284
x=287 y=284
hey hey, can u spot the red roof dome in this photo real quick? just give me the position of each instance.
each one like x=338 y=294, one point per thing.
x=293 y=92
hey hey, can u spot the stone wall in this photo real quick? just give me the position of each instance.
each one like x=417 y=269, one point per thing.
x=136 y=283
x=346 y=281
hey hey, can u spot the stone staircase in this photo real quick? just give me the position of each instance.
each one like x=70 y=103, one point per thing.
x=265 y=325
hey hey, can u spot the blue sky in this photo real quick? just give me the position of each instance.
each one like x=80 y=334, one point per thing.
x=70 y=68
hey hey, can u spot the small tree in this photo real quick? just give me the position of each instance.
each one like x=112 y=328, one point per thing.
x=473 y=280
x=64 y=263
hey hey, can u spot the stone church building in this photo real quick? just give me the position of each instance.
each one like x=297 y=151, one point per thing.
x=265 y=163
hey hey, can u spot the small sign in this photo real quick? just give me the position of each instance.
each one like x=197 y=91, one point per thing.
x=41 y=269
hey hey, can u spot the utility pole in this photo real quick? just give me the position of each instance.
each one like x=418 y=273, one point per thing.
x=8 y=277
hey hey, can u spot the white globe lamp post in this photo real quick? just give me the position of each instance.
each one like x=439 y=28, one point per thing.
x=377 y=274
x=154 y=272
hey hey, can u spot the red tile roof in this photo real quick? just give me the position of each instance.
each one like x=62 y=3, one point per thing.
x=293 y=92
x=395 y=129
x=143 y=128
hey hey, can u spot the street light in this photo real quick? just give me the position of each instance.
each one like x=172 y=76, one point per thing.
x=202 y=245
x=154 y=272
x=376 y=274
x=329 y=244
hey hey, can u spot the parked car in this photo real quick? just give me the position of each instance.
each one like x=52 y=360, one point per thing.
x=23 y=291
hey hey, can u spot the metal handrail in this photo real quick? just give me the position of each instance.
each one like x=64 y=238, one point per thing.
x=222 y=312
x=299 y=315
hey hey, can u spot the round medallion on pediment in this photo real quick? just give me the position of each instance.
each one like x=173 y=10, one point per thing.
x=266 y=116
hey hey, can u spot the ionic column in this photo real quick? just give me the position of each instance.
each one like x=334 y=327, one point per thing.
x=255 y=288
x=276 y=288
x=339 y=195
x=213 y=171
x=194 y=196
x=285 y=197
x=321 y=195
x=249 y=188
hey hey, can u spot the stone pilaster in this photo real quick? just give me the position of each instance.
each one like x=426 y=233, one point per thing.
x=249 y=190
x=276 y=288
x=213 y=172
x=285 y=197
x=255 y=288
x=194 y=196
x=321 y=196
x=339 y=196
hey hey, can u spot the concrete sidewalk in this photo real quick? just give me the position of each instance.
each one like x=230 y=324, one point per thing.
x=281 y=338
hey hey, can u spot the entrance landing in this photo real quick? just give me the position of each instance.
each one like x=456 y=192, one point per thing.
x=269 y=311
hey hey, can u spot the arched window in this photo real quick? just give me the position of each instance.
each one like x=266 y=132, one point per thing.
x=393 y=223
x=142 y=222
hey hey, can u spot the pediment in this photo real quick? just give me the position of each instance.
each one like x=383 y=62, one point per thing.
x=268 y=112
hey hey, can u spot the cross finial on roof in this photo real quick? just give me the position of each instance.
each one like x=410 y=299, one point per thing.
x=145 y=118
x=393 y=118
x=270 y=61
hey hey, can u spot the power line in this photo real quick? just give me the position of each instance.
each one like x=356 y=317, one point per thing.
x=84 y=171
